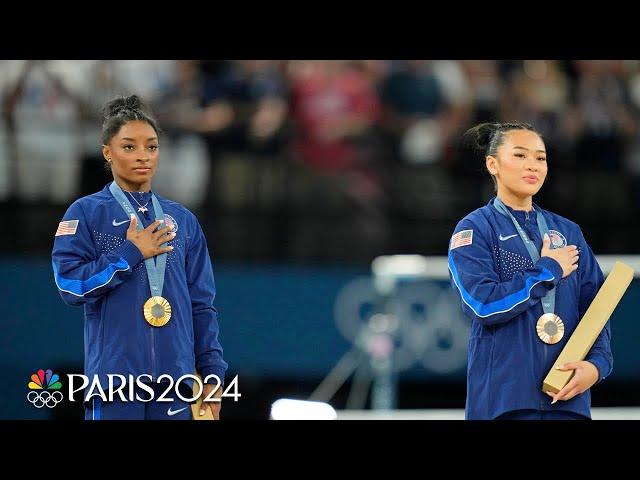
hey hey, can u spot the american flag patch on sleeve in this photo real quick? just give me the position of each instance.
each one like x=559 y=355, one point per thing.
x=67 y=227
x=460 y=239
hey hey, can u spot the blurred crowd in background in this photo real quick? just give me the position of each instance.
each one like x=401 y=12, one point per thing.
x=324 y=161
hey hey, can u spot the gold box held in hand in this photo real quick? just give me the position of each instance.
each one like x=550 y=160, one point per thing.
x=592 y=323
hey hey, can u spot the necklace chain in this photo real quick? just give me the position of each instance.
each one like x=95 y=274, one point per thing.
x=143 y=208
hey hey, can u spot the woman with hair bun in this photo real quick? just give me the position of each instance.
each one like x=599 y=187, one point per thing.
x=525 y=277
x=140 y=266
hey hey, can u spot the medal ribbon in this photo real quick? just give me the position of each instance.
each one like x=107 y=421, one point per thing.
x=155 y=270
x=549 y=300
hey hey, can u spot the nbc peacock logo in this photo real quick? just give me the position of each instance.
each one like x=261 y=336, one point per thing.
x=40 y=385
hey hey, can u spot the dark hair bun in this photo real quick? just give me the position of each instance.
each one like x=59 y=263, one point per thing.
x=479 y=137
x=122 y=104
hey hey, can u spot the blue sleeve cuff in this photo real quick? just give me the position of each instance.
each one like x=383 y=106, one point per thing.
x=130 y=253
x=601 y=365
x=217 y=370
x=553 y=266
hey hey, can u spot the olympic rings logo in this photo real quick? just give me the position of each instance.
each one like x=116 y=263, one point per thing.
x=40 y=399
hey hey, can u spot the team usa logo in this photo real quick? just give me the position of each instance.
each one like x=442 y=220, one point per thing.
x=557 y=239
x=171 y=222
x=44 y=389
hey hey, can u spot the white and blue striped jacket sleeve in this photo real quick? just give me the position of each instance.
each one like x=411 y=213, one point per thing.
x=80 y=273
x=485 y=298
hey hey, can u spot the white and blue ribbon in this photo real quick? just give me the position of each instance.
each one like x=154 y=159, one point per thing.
x=549 y=300
x=155 y=270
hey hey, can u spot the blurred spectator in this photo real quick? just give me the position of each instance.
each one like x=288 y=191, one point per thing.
x=305 y=159
x=486 y=86
x=335 y=111
x=42 y=114
x=234 y=106
x=247 y=101
x=414 y=100
x=538 y=93
x=333 y=105
x=602 y=121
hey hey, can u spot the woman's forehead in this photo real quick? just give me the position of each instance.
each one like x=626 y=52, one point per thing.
x=136 y=129
x=523 y=138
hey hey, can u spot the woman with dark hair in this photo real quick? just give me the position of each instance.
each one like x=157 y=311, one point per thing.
x=140 y=266
x=525 y=277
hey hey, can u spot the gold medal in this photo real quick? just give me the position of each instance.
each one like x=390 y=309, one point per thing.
x=550 y=328
x=157 y=311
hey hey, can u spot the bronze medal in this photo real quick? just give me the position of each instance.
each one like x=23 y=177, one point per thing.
x=550 y=328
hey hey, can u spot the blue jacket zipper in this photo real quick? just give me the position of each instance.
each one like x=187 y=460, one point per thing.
x=153 y=355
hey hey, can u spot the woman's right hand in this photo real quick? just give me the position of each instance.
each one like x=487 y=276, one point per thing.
x=148 y=241
x=567 y=256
